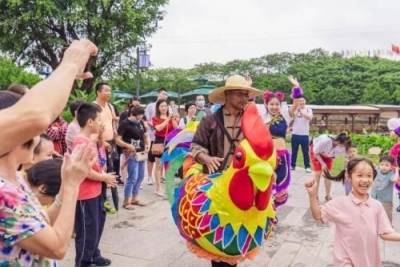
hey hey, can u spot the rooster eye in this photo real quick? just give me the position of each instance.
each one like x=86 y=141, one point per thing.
x=239 y=156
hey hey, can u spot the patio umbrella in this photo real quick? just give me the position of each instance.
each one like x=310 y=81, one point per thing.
x=202 y=90
x=122 y=94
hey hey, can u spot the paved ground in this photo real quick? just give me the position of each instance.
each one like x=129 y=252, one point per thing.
x=147 y=236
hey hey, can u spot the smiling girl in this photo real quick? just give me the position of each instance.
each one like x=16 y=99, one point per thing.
x=359 y=219
x=278 y=117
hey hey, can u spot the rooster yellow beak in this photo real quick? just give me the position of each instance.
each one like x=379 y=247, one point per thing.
x=261 y=173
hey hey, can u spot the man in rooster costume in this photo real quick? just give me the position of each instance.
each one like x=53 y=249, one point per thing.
x=224 y=206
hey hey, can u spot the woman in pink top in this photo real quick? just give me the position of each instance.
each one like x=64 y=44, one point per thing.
x=359 y=219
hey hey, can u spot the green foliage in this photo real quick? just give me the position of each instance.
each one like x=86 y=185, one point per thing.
x=326 y=79
x=87 y=97
x=11 y=73
x=34 y=32
x=366 y=141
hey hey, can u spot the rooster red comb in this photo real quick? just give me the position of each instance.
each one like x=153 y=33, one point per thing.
x=269 y=94
x=256 y=132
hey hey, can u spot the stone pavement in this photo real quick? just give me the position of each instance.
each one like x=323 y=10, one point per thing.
x=147 y=236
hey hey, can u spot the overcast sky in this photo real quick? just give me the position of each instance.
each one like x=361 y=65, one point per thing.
x=198 y=31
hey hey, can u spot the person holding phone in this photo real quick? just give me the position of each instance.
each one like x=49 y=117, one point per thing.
x=163 y=122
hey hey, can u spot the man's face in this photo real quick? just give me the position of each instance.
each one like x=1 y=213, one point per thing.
x=200 y=101
x=104 y=93
x=162 y=95
x=237 y=98
x=302 y=102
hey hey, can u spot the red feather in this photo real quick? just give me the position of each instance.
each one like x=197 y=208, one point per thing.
x=257 y=133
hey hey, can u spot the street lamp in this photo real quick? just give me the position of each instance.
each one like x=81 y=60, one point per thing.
x=142 y=62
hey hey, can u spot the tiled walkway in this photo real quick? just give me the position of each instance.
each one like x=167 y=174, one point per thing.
x=147 y=236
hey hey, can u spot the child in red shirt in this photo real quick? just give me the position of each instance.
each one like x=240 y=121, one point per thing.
x=90 y=214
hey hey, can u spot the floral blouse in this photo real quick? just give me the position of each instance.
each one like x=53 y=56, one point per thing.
x=21 y=216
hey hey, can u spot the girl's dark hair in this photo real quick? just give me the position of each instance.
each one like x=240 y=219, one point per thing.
x=9 y=99
x=135 y=111
x=387 y=158
x=343 y=139
x=38 y=148
x=48 y=174
x=188 y=105
x=341 y=177
x=159 y=102
x=73 y=107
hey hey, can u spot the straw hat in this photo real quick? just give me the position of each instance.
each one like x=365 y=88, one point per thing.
x=235 y=82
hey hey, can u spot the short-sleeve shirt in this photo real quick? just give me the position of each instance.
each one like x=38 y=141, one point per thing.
x=164 y=132
x=72 y=132
x=323 y=145
x=301 y=126
x=382 y=189
x=22 y=216
x=358 y=225
x=89 y=188
x=133 y=133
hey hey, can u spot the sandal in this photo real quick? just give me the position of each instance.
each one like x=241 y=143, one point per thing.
x=327 y=198
x=138 y=203
x=128 y=206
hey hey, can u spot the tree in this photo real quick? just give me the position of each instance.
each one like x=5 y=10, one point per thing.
x=11 y=73
x=35 y=32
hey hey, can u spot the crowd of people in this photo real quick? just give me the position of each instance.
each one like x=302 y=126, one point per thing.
x=54 y=175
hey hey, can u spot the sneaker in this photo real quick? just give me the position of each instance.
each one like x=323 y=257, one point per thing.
x=102 y=262
x=150 y=181
x=108 y=208
x=308 y=170
x=162 y=180
x=292 y=168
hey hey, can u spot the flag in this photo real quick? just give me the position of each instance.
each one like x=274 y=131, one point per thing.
x=395 y=49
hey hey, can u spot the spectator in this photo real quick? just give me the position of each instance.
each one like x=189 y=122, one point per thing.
x=30 y=235
x=163 y=122
x=200 y=105
x=173 y=107
x=58 y=131
x=73 y=128
x=90 y=214
x=190 y=109
x=149 y=113
x=300 y=133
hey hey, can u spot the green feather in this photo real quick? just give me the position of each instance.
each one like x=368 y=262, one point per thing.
x=170 y=174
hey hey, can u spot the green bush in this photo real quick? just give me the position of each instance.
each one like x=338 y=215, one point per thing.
x=366 y=141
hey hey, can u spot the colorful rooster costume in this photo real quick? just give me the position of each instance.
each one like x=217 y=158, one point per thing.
x=225 y=216
x=394 y=125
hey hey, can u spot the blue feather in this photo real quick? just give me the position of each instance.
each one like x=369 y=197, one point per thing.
x=242 y=236
x=259 y=236
x=206 y=206
x=214 y=175
x=229 y=234
x=205 y=188
x=214 y=222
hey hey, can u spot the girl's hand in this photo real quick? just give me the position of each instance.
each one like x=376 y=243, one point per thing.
x=293 y=81
x=77 y=165
x=311 y=187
